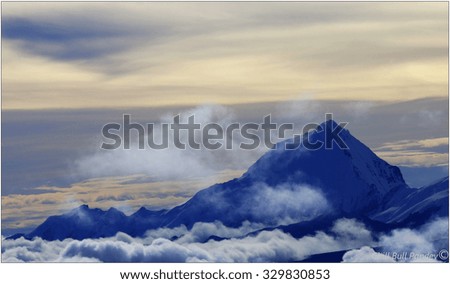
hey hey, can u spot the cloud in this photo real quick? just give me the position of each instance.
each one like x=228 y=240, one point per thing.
x=285 y=204
x=276 y=246
x=172 y=163
x=182 y=245
x=201 y=232
x=36 y=250
x=161 y=250
x=190 y=246
x=415 y=144
x=429 y=239
x=60 y=33
x=350 y=229
x=406 y=245
x=64 y=41
x=415 y=158
x=366 y=254
x=415 y=153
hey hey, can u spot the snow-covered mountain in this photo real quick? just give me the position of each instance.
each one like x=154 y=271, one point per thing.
x=354 y=182
x=297 y=189
x=354 y=179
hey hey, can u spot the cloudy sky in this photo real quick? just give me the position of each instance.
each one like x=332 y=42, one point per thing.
x=78 y=55
x=69 y=68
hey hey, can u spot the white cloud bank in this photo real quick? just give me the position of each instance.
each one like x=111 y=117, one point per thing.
x=196 y=245
x=190 y=246
x=406 y=245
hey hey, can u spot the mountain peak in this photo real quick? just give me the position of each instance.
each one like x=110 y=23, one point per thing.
x=348 y=172
x=329 y=124
x=142 y=209
x=83 y=207
x=144 y=212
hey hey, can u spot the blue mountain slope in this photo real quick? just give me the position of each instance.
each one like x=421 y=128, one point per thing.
x=298 y=189
x=415 y=206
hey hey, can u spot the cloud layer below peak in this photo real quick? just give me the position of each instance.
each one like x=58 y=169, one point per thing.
x=213 y=242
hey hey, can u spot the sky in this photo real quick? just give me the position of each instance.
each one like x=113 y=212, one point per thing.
x=70 y=68
x=97 y=55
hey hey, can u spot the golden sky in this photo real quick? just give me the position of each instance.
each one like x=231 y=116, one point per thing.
x=109 y=55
